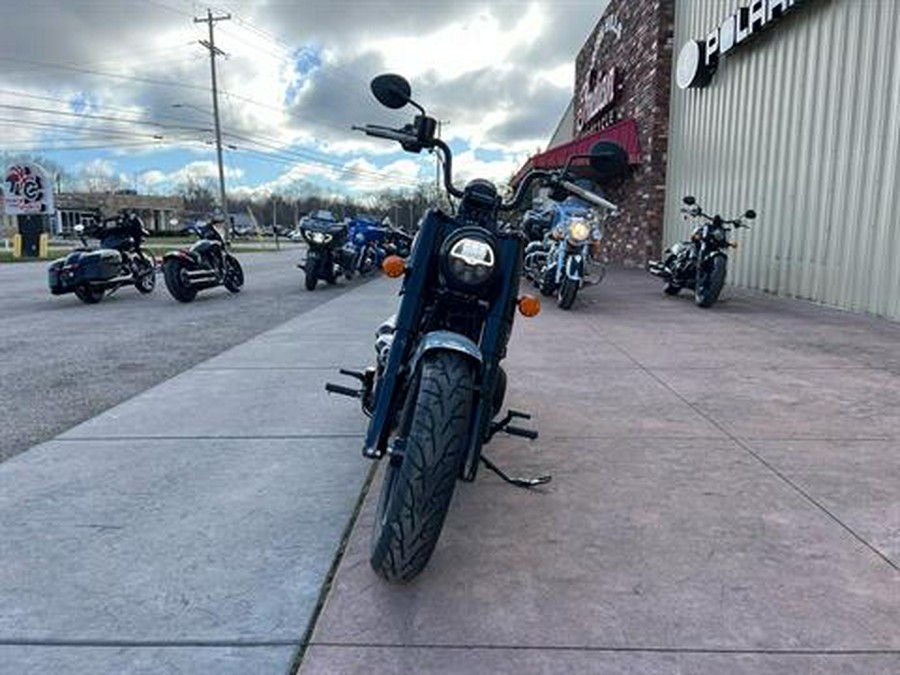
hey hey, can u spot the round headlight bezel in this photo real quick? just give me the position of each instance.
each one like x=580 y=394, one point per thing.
x=317 y=237
x=469 y=259
x=579 y=230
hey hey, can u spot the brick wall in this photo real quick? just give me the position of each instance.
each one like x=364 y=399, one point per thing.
x=635 y=37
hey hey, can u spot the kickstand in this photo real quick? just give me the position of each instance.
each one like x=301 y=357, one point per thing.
x=518 y=482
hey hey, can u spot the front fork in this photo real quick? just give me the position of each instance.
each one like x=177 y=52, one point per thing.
x=570 y=263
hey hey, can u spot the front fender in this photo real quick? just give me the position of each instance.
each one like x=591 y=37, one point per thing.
x=446 y=340
x=575 y=266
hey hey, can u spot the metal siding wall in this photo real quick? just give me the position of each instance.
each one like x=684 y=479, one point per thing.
x=802 y=125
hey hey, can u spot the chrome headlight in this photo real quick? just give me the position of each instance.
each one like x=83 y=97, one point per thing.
x=317 y=237
x=468 y=258
x=579 y=228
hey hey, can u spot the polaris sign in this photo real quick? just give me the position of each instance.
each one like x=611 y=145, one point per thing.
x=698 y=59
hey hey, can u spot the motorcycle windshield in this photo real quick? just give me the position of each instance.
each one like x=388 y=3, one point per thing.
x=329 y=227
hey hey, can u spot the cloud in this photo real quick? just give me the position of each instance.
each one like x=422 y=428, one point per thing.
x=499 y=74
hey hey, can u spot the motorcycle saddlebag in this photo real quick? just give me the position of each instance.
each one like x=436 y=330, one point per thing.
x=64 y=274
x=99 y=265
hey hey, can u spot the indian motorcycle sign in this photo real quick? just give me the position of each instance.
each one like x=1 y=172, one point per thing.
x=26 y=190
x=699 y=59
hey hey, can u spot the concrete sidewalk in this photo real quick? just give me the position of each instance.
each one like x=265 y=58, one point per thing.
x=726 y=499
x=191 y=528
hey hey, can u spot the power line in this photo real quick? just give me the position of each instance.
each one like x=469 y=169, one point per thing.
x=108 y=118
x=89 y=71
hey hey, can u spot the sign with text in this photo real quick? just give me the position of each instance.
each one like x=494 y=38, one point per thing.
x=699 y=59
x=26 y=190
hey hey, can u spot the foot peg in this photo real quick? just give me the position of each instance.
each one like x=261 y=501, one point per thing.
x=518 y=482
x=505 y=426
x=343 y=391
x=366 y=378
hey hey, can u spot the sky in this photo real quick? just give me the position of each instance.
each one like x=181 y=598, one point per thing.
x=118 y=91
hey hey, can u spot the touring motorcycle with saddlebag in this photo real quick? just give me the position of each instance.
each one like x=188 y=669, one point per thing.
x=121 y=260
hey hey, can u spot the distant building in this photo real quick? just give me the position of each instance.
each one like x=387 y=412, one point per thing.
x=157 y=212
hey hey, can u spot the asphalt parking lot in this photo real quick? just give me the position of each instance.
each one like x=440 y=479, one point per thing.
x=62 y=362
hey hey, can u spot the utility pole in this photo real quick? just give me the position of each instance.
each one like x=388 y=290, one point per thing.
x=213 y=52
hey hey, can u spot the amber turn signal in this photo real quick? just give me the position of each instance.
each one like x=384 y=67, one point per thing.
x=394 y=266
x=529 y=305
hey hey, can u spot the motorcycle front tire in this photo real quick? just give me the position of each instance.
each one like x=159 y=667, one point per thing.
x=416 y=489
x=709 y=282
x=565 y=295
x=172 y=277
x=234 y=274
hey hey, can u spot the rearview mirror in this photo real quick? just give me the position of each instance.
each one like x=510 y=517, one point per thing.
x=608 y=160
x=392 y=91
x=750 y=215
x=689 y=200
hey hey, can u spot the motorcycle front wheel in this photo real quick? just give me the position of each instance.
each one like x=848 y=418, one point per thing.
x=234 y=274
x=709 y=282
x=565 y=295
x=418 y=485
x=177 y=288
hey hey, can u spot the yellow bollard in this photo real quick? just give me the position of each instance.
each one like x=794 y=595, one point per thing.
x=17 y=246
x=44 y=245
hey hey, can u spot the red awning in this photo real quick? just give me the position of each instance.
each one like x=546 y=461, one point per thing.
x=624 y=133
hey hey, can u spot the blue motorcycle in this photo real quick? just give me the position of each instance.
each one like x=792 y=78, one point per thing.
x=567 y=256
x=365 y=242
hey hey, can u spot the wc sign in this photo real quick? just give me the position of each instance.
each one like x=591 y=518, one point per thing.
x=699 y=59
x=26 y=190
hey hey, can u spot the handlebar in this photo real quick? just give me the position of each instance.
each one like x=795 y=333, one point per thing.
x=386 y=132
x=589 y=196
x=411 y=141
x=696 y=212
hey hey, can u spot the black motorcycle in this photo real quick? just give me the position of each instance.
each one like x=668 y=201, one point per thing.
x=437 y=388
x=206 y=264
x=328 y=252
x=702 y=262
x=91 y=273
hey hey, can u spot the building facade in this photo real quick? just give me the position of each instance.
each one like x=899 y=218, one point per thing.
x=160 y=214
x=791 y=108
x=622 y=80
